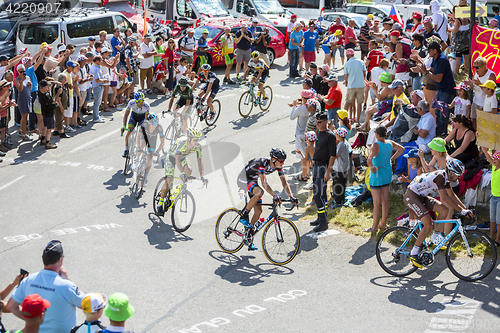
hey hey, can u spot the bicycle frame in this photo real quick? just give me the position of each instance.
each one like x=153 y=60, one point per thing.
x=251 y=90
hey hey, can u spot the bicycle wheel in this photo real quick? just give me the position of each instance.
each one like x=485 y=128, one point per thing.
x=269 y=95
x=169 y=137
x=193 y=117
x=229 y=232
x=393 y=251
x=156 y=194
x=212 y=117
x=140 y=177
x=474 y=266
x=246 y=104
x=280 y=241
x=128 y=165
x=183 y=211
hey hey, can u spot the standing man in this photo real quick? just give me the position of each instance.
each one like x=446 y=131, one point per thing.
x=354 y=80
x=439 y=19
x=202 y=50
x=117 y=43
x=289 y=28
x=338 y=25
x=311 y=44
x=51 y=283
x=148 y=51
x=98 y=81
x=228 y=52
x=430 y=32
x=128 y=61
x=324 y=157
x=333 y=101
x=187 y=45
x=365 y=36
x=296 y=41
x=243 y=40
x=262 y=40
x=350 y=35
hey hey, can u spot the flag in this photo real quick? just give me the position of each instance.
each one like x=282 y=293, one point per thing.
x=145 y=31
x=485 y=43
x=143 y=3
x=394 y=15
x=321 y=11
x=104 y=2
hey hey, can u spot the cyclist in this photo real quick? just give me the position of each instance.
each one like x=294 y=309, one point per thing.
x=185 y=99
x=212 y=84
x=260 y=73
x=420 y=203
x=255 y=170
x=140 y=111
x=149 y=131
x=176 y=156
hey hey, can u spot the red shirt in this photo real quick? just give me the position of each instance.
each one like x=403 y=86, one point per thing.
x=170 y=55
x=349 y=32
x=375 y=56
x=335 y=94
x=335 y=27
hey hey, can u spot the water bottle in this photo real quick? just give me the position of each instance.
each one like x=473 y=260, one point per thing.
x=413 y=222
x=259 y=223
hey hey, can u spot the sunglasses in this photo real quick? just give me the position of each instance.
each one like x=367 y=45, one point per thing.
x=195 y=140
x=280 y=161
x=171 y=42
x=320 y=121
x=21 y=71
x=477 y=67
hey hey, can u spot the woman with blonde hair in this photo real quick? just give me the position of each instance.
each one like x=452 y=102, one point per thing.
x=168 y=61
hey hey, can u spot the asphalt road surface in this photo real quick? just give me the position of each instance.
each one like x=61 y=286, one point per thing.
x=184 y=282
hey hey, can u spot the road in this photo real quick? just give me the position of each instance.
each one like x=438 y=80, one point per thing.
x=184 y=282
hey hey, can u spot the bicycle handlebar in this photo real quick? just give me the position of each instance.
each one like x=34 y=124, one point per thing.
x=274 y=204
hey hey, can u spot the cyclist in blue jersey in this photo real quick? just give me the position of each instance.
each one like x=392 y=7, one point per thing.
x=211 y=87
x=140 y=111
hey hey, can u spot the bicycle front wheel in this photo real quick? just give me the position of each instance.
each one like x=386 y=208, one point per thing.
x=393 y=251
x=156 y=194
x=183 y=211
x=128 y=165
x=140 y=177
x=280 y=241
x=269 y=94
x=212 y=117
x=476 y=264
x=229 y=232
x=246 y=104
x=193 y=116
x=169 y=137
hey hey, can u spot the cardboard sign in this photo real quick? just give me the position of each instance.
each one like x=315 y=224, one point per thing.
x=488 y=130
x=464 y=12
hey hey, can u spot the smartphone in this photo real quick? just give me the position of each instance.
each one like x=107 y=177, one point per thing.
x=24 y=273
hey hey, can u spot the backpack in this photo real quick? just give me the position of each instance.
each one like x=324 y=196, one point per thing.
x=64 y=96
x=122 y=54
x=76 y=328
x=100 y=331
x=361 y=198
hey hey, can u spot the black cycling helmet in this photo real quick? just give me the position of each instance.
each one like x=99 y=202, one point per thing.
x=278 y=154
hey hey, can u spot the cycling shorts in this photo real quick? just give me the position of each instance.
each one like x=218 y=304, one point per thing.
x=135 y=119
x=170 y=165
x=420 y=205
x=213 y=91
x=263 y=77
x=248 y=185
x=152 y=144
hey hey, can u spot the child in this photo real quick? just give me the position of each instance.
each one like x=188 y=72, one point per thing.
x=180 y=70
x=490 y=102
x=462 y=102
x=340 y=168
x=311 y=139
x=93 y=307
x=414 y=166
x=48 y=106
x=495 y=193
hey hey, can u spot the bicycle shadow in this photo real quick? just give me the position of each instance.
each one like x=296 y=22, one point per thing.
x=160 y=234
x=239 y=270
x=118 y=179
x=129 y=203
x=363 y=252
x=247 y=122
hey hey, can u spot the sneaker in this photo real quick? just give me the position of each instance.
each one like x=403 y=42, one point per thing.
x=50 y=145
x=3 y=148
x=245 y=221
x=125 y=153
x=484 y=226
x=98 y=120
x=43 y=142
x=27 y=138
x=64 y=135
x=145 y=183
x=34 y=130
x=56 y=133
x=168 y=95
x=79 y=127
x=2 y=154
x=149 y=91
x=264 y=101
x=309 y=186
x=416 y=261
x=252 y=247
x=69 y=129
x=232 y=82
x=159 y=210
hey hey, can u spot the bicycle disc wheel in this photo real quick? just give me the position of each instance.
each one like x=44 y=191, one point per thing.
x=229 y=232
x=269 y=95
x=156 y=194
x=280 y=241
x=474 y=266
x=391 y=255
x=183 y=211
x=246 y=104
x=212 y=117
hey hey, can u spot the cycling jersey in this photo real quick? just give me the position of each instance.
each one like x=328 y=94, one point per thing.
x=259 y=166
x=212 y=77
x=430 y=182
x=132 y=106
x=151 y=135
x=186 y=94
x=179 y=147
x=258 y=66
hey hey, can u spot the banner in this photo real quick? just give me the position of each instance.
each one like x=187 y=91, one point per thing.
x=486 y=43
x=145 y=31
x=488 y=130
x=104 y=2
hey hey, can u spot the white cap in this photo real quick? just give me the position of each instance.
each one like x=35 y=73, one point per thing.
x=62 y=48
x=105 y=49
x=255 y=20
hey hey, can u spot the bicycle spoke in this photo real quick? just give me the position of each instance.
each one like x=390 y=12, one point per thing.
x=183 y=211
x=229 y=232
x=280 y=241
x=393 y=251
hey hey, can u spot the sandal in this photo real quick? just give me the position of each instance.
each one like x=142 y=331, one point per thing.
x=300 y=178
x=382 y=228
x=369 y=230
x=497 y=243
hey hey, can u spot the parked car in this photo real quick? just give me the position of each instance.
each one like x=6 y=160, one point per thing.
x=329 y=19
x=8 y=28
x=382 y=11
x=276 y=49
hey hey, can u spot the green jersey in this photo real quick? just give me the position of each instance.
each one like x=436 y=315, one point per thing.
x=186 y=94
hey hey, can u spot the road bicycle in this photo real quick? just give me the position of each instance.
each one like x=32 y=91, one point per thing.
x=204 y=113
x=139 y=167
x=174 y=129
x=280 y=239
x=250 y=98
x=132 y=151
x=180 y=201
x=470 y=255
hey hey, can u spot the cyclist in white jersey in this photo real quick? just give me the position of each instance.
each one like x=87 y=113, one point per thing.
x=420 y=203
x=140 y=111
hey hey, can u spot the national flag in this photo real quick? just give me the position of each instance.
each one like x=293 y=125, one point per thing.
x=321 y=11
x=145 y=22
x=394 y=15
x=104 y=2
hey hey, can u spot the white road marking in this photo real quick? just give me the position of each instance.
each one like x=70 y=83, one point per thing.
x=323 y=234
x=12 y=182
x=281 y=96
x=95 y=140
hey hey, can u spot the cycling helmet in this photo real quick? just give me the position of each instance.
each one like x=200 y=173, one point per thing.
x=255 y=54
x=153 y=119
x=455 y=166
x=278 y=154
x=139 y=97
x=205 y=67
x=193 y=133
x=183 y=81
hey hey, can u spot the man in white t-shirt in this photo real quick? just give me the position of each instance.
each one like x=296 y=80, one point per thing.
x=181 y=69
x=289 y=28
x=439 y=19
x=187 y=45
x=148 y=52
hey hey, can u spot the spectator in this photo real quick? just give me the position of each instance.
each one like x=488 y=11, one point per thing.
x=68 y=112
x=350 y=36
x=461 y=103
x=418 y=27
x=313 y=107
x=23 y=85
x=168 y=61
x=5 y=104
x=33 y=310
x=130 y=63
x=83 y=85
x=299 y=112
x=308 y=157
x=62 y=103
x=333 y=101
x=6 y=63
x=48 y=106
x=117 y=43
x=98 y=48
x=252 y=28
x=160 y=48
x=30 y=71
x=354 y=80
x=75 y=77
x=496 y=14
x=324 y=157
x=379 y=162
x=495 y=193
x=406 y=119
x=430 y=32
x=307 y=84
x=107 y=65
x=416 y=76
x=490 y=99
x=464 y=140
x=118 y=311
x=414 y=167
x=202 y=50
x=439 y=156
x=383 y=36
x=439 y=19
x=372 y=61
x=365 y=36
x=315 y=77
x=401 y=56
x=384 y=95
x=181 y=69
x=296 y=41
x=493 y=24
x=311 y=44
x=339 y=44
x=102 y=38
x=159 y=79
x=426 y=127
x=481 y=75
x=327 y=44
x=52 y=64
x=97 y=87
x=460 y=42
x=340 y=168
x=129 y=33
x=93 y=307
x=243 y=40
x=187 y=45
x=290 y=27
x=91 y=46
x=51 y=283
x=262 y=40
x=148 y=51
x=88 y=63
x=227 y=41
x=122 y=87
x=3 y=295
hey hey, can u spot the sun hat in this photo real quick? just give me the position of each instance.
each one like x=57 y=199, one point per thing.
x=488 y=84
x=396 y=83
x=205 y=31
x=70 y=63
x=349 y=52
x=89 y=55
x=21 y=51
x=437 y=144
x=118 y=307
x=310 y=136
x=61 y=48
x=91 y=38
x=337 y=33
x=417 y=16
x=325 y=67
x=321 y=115
x=342 y=132
x=81 y=57
x=33 y=305
x=342 y=114
x=419 y=93
x=463 y=86
x=397 y=26
x=332 y=77
x=411 y=153
x=45 y=44
x=255 y=20
x=25 y=60
x=427 y=19
x=307 y=94
x=293 y=16
x=494 y=22
x=369 y=17
x=385 y=77
x=93 y=302
x=312 y=102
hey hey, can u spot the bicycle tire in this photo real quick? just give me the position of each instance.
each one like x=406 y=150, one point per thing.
x=229 y=232
x=390 y=257
x=169 y=137
x=210 y=119
x=128 y=165
x=269 y=94
x=140 y=177
x=245 y=100
x=193 y=116
x=280 y=241
x=482 y=262
x=156 y=194
x=181 y=210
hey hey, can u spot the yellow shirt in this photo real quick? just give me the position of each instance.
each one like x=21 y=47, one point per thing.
x=405 y=100
x=70 y=82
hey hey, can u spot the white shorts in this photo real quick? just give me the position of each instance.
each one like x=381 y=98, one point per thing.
x=403 y=76
x=300 y=143
x=68 y=113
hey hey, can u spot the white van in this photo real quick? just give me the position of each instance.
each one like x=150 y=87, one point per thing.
x=73 y=27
